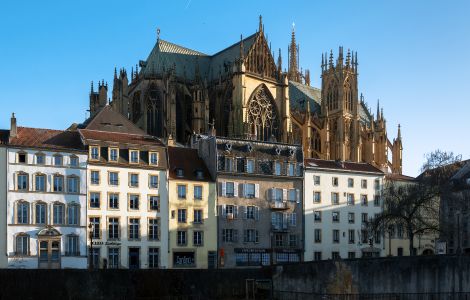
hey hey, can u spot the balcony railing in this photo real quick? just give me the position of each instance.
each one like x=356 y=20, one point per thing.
x=279 y=205
x=280 y=227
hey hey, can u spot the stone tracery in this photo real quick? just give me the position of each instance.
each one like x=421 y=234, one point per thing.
x=262 y=116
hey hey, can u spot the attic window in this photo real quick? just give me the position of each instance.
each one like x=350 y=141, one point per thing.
x=278 y=151
x=249 y=147
x=179 y=172
x=291 y=152
x=228 y=147
x=22 y=158
x=199 y=174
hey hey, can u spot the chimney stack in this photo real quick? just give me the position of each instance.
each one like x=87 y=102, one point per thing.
x=13 y=129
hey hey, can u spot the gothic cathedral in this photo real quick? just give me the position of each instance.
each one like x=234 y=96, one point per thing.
x=244 y=93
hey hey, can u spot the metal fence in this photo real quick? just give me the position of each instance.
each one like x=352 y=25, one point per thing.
x=291 y=295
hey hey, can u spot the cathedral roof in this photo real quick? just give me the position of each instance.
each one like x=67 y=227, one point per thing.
x=299 y=93
x=110 y=121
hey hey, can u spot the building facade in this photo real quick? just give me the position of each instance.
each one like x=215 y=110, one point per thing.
x=340 y=199
x=259 y=205
x=45 y=200
x=192 y=211
x=127 y=194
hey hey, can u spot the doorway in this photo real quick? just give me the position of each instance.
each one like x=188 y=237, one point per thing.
x=134 y=258
x=49 y=254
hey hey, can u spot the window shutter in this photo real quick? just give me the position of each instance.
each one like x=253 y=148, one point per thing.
x=284 y=194
x=241 y=190
x=297 y=195
x=270 y=194
x=245 y=235
x=256 y=190
x=256 y=212
x=224 y=211
x=224 y=188
x=285 y=220
x=235 y=212
x=256 y=236
x=235 y=189
x=245 y=211
x=235 y=235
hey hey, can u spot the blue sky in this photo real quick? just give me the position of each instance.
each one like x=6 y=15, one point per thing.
x=413 y=55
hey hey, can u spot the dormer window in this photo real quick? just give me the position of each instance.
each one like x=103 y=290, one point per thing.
x=228 y=147
x=278 y=151
x=94 y=152
x=113 y=154
x=74 y=161
x=277 y=168
x=291 y=152
x=40 y=159
x=179 y=172
x=199 y=174
x=228 y=164
x=134 y=156
x=153 y=158
x=249 y=147
x=58 y=160
x=22 y=157
x=250 y=165
x=291 y=169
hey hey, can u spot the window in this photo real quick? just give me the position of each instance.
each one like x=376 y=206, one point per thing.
x=351 y=236
x=181 y=191
x=229 y=235
x=22 y=211
x=113 y=228
x=199 y=174
x=113 y=258
x=181 y=237
x=317 y=235
x=58 y=183
x=153 y=158
x=154 y=203
x=134 y=227
x=113 y=154
x=95 y=177
x=58 y=214
x=351 y=255
x=317 y=216
x=134 y=155
x=73 y=184
x=400 y=231
x=277 y=168
x=377 y=184
x=40 y=183
x=133 y=180
x=94 y=152
x=94 y=200
x=292 y=240
x=292 y=195
x=229 y=189
x=277 y=195
x=153 y=230
x=335 y=216
x=113 y=201
x=334 y=181
x=364 y=237
x=198 y=216
x=249 y=190
x=350 y=182
x=316 y=197
x=317 y=255
x=73 y=214
x=364 y=183
x=153 y=181
x=279 y=240
x=40 y=213
x=231 y=211
x=377 y=237
x=364 y=217
x=73 y=161
x=40 y=159
x=58 y=160
x=293 y=219
x=22 y=181
x=153 y=257
x=335 y=255
x=335 y=236
x=73 y=245
x=113 y=178
x=250 y=166
x=95 y=226
x=182 y=215
x=364 y=201
x=22 y=157
x=198 y=238
x=376 y=200
x=351 y=218
x=228 y=164
x=179 y=172
x=250 y=236
x=22 y=244
x=134 y=201
x=198 y=192
x=252 y=212
x=291 y=169
x=334 y=198
x=316 y=180
x=350 y=199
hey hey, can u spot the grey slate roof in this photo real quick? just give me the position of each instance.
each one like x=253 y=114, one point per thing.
x=300 y=93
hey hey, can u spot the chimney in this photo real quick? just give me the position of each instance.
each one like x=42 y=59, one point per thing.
x=13 y=130
x=171 y=141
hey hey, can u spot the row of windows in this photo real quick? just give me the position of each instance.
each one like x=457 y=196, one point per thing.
x=40 y=159
x=114 y=257
x=182 y=191
x=113 y=179
x=350 y=182
x=335 y=217
x=59 y=184
x=72 y=248
x=61 y=214
x=230 y=235
x=182 y=215
x=248 y=165
x=235 y=189
x=182 y=238
x=317 y=255
x=350 y=199
x=133 y=201
x=133 y=228
x=232 y=212
x=113 y=155
x=363 y=236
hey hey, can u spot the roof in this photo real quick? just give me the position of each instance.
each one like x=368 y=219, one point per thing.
x=47 y=139
x=463 y=172
x=341 y=165
x=110 y=120
x=299 y=92
x=122 y=138
x=4 y=135
x=189 y=161
x=399 y=177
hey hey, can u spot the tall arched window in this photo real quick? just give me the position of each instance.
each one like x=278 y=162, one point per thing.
x=22 y=212
x=22 y=244
x=347 y=96
x=262 y=116
x=332 y=97
x=40 y=209
x=58 y=213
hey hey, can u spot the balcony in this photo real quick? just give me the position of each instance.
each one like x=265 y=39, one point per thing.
x=280 y=227
x=279 y=205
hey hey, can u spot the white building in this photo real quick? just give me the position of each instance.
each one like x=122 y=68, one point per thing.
x=127 y=193
x=339 y=198
x=45 y=198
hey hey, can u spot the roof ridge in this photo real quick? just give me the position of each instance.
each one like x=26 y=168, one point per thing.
x=179 y=46
x=233 y=45
x=115 y=132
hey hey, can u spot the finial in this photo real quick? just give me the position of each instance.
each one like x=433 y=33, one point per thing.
x=158 y=34
x=399 y=132
x=13 y=115
x=92 y=86
x=348 y=57
x=115 y=73
x=331 y=58
x=293 y=27
x=242 y=50
x=260 y=29
x=378 y=109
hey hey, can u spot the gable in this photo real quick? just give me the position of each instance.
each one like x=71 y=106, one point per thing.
x=259 y=59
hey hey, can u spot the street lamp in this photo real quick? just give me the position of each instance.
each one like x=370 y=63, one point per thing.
x=90 y=226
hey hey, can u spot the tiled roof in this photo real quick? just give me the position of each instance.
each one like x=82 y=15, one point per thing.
x=464 y=171
x=341 y=165
x=399 y=177
x=111 y=121
x=122 y=138
x=300 y=93
x=47 y=139
x=189 y=161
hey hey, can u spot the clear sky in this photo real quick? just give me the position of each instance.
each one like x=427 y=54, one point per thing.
x=413 y=55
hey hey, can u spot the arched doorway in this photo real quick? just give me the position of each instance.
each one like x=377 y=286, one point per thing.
x=49 y=248
x=263 y=119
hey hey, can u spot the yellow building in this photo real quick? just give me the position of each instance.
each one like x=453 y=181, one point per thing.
x=192 y=220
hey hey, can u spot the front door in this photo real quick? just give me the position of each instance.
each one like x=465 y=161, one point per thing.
x=49 y=254
x=211 y=260
x=134 y=258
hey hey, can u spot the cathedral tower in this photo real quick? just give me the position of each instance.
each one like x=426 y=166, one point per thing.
x=98 y=99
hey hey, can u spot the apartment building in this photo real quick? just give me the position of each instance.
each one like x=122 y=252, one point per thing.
x=259 y=187
x=192 y=211
x=127 y=194
x=340 y=199
x=43 y=192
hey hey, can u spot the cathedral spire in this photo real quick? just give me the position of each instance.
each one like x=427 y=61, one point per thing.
x=260 y=29
x=293 y=73
x=399 y=132
x=279 y=62
x=378 y=109
x=242 y=50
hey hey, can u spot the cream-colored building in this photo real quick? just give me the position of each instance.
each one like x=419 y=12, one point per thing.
x=192 y=211
x=340 y=198
x=127 y=194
